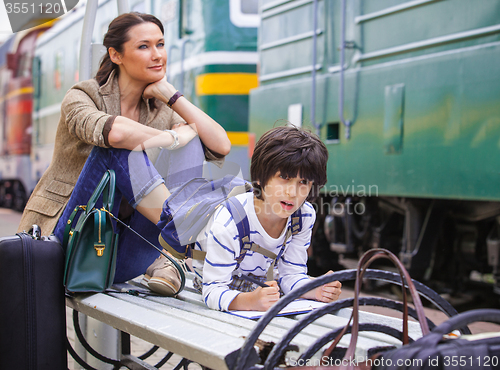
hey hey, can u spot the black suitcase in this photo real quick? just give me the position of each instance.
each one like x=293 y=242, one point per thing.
x=32 y=306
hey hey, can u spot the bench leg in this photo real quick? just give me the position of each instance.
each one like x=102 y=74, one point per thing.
x=134 y=363
x=127 y=360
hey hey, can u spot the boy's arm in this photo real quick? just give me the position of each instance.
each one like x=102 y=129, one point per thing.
x=325 y=293
x=260 y=299
x=222 y=247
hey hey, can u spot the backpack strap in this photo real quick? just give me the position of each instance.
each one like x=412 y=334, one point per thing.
x=240 y=189
x=257 y=248
x=296 y=222
x=241 y=220
x=197 y=254
x=295 y=227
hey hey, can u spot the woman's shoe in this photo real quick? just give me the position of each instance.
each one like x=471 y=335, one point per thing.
x=162 y=277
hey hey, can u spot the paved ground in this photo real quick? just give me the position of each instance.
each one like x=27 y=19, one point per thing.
x=139 y=347
x=9 y=221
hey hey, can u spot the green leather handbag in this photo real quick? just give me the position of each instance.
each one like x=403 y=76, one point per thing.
x=91 y=243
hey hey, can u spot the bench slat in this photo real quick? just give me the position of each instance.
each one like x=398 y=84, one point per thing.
x=185 y=326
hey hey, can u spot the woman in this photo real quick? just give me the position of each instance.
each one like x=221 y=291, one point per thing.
x=110 y=122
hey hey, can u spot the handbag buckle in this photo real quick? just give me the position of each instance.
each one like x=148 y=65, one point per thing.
x=99 y=249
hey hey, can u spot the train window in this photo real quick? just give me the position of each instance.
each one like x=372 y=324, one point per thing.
x=24 y=65
x=244 y=13
x=59 y=69
x=186 y=27
x=249 y=6
x=295 y=114
x=139 y=7
x=168 y=12
x=332 y=132
x=37 y=77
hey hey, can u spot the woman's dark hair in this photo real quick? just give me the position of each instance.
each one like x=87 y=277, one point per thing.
x=292 y=151
x=117 y=35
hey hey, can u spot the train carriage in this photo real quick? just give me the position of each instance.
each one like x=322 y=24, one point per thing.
x=16 y=103
x=406 y=96
x=212 y=59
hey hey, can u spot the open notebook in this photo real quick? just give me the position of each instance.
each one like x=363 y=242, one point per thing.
x=293 y=308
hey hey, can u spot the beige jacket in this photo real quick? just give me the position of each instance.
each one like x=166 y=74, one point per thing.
x=84 y=111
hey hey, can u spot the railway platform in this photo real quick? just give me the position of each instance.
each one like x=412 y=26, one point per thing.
x=189 y=310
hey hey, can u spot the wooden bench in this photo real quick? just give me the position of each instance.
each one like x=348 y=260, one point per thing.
x=186 y=327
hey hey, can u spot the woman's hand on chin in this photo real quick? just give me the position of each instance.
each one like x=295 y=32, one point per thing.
x=160 y=89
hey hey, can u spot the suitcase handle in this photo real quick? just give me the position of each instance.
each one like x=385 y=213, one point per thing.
x=35 y=232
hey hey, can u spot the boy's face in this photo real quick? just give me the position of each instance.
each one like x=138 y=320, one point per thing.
x=283 y=195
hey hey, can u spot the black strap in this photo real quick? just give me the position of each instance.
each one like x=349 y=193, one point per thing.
x=296 y=222
x=171 y=259
x=30 y=300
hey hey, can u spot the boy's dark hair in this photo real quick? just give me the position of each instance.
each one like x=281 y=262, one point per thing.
x=292 y=151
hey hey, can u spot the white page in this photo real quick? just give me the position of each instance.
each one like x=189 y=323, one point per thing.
x=294 y=307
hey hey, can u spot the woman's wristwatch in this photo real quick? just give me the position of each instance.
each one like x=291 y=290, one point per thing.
x=174 y=98
x=175 y=144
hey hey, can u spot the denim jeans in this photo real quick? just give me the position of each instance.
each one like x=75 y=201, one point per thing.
x=136 y=177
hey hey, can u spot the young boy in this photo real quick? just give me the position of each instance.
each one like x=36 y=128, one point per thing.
x=288 y=169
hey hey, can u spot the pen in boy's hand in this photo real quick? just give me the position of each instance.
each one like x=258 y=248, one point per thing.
x=252 y=280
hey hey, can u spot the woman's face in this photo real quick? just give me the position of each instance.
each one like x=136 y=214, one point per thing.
x=144 y=57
